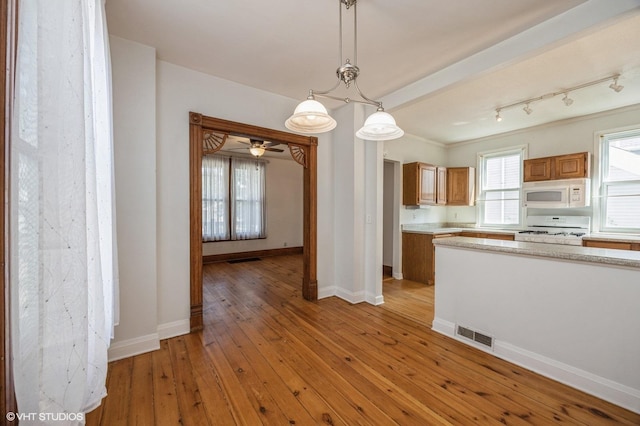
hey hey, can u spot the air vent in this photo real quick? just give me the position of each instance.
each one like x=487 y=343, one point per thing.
x=465 y=332
x=475 y=336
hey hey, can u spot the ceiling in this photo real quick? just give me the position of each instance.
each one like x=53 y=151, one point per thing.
x=441 y=68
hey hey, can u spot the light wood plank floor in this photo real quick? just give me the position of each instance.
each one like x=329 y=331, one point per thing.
x=268 y=357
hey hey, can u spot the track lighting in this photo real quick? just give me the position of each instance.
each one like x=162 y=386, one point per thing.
x=615 y=86
x=566 y=99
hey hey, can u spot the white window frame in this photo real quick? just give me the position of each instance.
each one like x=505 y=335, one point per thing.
x=521 y=150
x=601 y=184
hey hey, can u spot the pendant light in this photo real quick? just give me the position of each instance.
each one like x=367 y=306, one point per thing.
x=310 y=116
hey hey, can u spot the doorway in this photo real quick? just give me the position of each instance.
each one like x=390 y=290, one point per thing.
x=303 y=150
x=391 y=236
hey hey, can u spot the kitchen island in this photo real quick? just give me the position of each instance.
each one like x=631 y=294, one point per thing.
x=568 y=312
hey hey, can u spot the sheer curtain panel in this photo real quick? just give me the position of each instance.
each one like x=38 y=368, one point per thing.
x=63 y=269
x=248 y=195
x=215 y=198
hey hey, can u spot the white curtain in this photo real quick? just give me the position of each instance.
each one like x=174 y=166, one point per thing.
x=248 y=195
x=63 y=269
x=215 y=198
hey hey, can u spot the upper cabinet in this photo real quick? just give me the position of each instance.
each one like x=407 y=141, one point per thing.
x=461 y=186
x=423 y=184
x=559 y=167
x=429 y=185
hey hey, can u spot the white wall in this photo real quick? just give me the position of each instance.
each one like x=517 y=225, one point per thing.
x=284 y=195
x=575 y=322
x=134 y=116
x=152 y=100
x=562 y=137
x=181 y=90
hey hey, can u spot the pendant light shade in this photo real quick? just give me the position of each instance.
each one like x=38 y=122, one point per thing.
x=380 y=126
x=310 y=116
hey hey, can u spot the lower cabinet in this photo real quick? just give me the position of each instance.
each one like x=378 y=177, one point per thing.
x=617 y=245
x=490 y=235
x=418 y=257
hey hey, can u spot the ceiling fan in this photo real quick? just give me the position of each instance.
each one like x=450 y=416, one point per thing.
x=258 y=147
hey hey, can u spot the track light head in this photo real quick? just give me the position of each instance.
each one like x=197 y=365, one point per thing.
x=527 y=109
x=498 y=117
x=615 y=86
x=567 y=100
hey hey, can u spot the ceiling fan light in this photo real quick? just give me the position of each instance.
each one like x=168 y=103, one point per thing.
x=380 y=126
x=256 y=151
x=310 y=116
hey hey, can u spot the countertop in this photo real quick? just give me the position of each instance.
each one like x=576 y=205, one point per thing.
x=612 y=257
x=435 y=230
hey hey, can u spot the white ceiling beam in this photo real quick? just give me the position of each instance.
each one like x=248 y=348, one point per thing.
x=518 y=47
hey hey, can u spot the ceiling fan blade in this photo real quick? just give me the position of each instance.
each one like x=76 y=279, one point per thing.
x=266 y=148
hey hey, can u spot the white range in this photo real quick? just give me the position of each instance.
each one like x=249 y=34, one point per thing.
x=568 y=230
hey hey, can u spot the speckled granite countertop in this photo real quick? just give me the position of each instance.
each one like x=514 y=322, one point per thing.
x=435 y=230
x=612 y=257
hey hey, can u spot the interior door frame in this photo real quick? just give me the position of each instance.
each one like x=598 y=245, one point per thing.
x=303 y=149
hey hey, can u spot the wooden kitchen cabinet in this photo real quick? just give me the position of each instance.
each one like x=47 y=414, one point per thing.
x=568 y=166
x=441 y=185
x=461 y=186
x=537 y=169
x=423 y=184
x=490 y=235
x=418 y=256
x=572 y=166
x=617 y=245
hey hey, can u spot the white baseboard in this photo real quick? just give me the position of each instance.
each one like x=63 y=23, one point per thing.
x=397 y=275
x=325 y=292
x=173 y=329
x=135 y=346
x=351 y=297
x=375 y=300
x=444 y=327
x=603 y=388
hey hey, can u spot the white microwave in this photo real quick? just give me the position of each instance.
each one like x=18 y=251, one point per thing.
x=557 y=194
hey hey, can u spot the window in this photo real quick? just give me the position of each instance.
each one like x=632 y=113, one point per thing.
x=233 y=198
x=500 y=182
x=620 y=186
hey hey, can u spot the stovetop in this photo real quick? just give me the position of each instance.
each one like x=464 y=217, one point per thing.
x=567 y=230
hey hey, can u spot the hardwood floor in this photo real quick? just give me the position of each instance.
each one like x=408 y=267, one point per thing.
x=266 y=356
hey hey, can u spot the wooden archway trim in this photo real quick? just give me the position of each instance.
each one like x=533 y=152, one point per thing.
x=305 y=147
